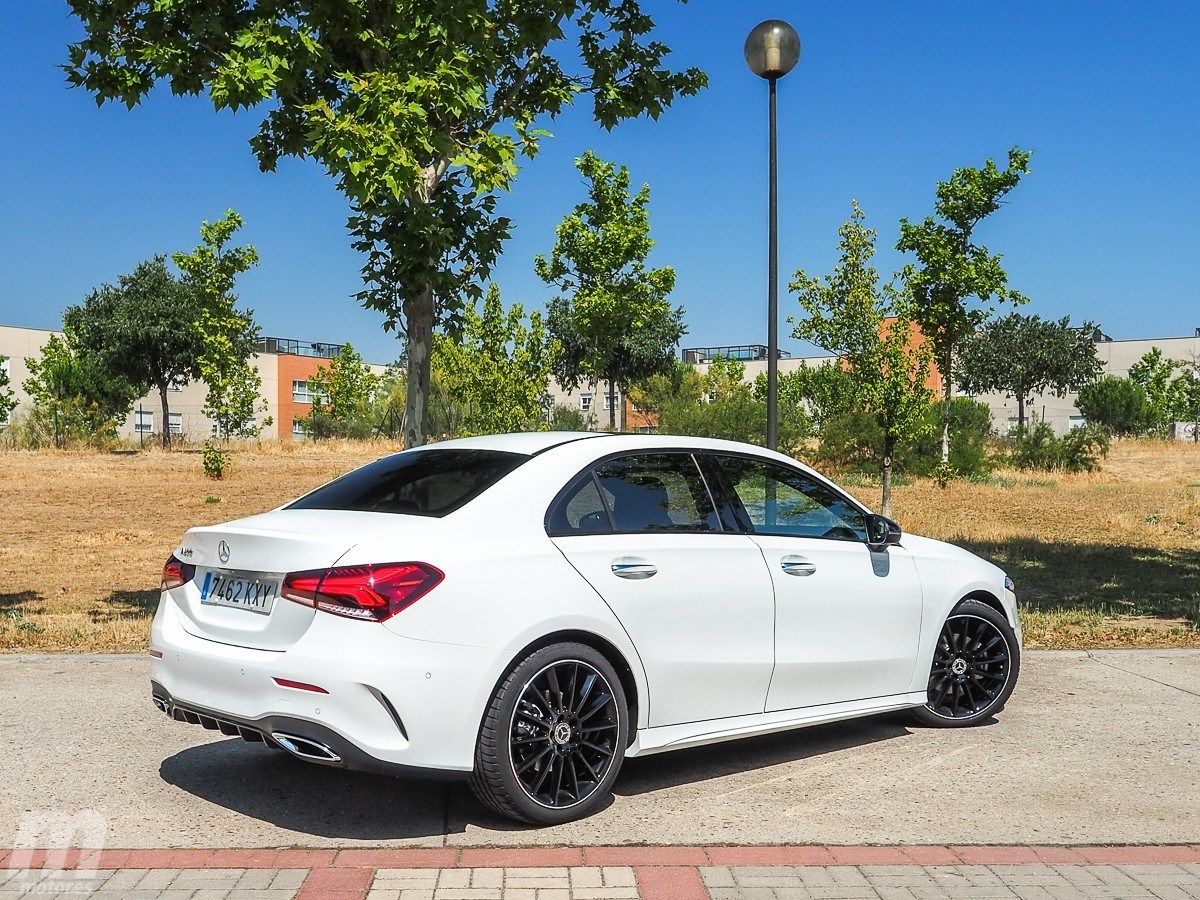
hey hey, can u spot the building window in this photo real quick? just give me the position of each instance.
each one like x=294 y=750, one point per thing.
x=175 y=422
x=175 y=384
x=585 y=402
x=608 y=400
x=143 y=422
x=299 y=432
x=303 y=393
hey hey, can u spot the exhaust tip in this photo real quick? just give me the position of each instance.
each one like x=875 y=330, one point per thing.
x=305 y=748
x=161 y=704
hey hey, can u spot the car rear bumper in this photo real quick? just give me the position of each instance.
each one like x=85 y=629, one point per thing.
x=389 y=703
x=302 y=738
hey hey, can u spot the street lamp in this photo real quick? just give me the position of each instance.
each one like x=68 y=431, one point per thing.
x=772 y=50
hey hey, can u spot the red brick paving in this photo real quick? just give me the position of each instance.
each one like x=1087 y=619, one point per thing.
x=769 y=856
x=930 y=855
x=411 y=858
x=869 y=856
x=345 y=870
x=996 y=856
x=644 y=856
x=336 y=884
x=501 y=857
x=670 y=883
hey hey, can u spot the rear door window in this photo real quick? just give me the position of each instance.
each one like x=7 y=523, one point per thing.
x=425 y=483
x=656 y=492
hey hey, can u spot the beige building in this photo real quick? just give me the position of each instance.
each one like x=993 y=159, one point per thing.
x=1060 y=412
x=284 y=365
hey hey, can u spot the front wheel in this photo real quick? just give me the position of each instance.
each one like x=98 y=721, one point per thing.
x=553 y=738
x=975 y=666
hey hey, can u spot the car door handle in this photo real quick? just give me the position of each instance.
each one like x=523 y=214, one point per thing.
x=797 y=565
x=633 y=568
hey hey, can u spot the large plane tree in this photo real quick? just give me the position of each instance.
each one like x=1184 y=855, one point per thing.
x=420 y=110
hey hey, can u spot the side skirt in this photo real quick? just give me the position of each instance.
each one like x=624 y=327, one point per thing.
x=697 y=734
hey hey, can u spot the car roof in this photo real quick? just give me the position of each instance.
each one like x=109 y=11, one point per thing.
x=536 y=442
x=527 y=442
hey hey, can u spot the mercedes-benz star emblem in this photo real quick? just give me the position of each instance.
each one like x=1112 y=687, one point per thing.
x=223 y=552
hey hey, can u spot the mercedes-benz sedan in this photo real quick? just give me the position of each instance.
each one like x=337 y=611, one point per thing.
x=527 y=610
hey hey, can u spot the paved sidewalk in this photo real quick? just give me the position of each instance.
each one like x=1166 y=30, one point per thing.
x=611 y=873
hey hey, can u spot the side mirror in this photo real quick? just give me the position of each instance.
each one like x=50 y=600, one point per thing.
x=882 y=532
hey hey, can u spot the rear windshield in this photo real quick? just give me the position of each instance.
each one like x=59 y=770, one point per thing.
x=428 y=483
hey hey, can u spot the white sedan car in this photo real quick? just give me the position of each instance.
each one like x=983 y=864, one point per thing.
x=527 y=610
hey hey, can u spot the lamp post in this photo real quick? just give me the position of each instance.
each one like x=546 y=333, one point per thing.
x=772 y=50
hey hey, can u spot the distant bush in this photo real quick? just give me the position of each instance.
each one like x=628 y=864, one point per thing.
x=1079 y=450
x=1119 y=406
x=567 y=418
x=853 y=442
x=970 y=425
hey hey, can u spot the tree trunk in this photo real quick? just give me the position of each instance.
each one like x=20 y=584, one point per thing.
x=166 y=415
x=1020 y=413
x=612 y=404
x=885 y=504
x=946 y=404
x=418 y=320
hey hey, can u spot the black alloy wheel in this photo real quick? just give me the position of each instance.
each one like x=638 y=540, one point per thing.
x=563 y=734
x=975 y=666
x=554 y=737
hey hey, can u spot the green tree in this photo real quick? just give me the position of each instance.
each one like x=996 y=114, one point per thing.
x=1117 y=405
x=73 y=400
x=812 y=394
x=500 y=368
x=228 y=335
x=1153 y=374
x=1185 y=395
x=616 y=324
x=853 y=317
x=142 y=330
x=952 y=271
x=420 y=111
x=721 y=404
x=343 y=398
x=1026 y=355
x=680 y=383
x=7 y=403
x=567 y=418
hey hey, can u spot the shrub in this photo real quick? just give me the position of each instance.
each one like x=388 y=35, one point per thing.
x=853 y=442
x=1117 y=405
x=216 y=460
x=1079 y=450
x=567 y=418
x=970 y=425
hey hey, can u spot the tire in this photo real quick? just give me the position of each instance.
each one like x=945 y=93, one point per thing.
x=553 y=738
x=975 y=666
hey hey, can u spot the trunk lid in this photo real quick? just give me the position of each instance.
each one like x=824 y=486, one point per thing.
x=234 y=596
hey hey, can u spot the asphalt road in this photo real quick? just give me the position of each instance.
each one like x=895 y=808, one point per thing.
x=1094 y=748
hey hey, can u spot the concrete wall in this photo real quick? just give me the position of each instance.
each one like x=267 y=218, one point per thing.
x=1116 y=356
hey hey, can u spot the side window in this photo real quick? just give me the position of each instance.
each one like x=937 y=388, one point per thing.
x=580 y=510
x=779 y=500
x=657 y=492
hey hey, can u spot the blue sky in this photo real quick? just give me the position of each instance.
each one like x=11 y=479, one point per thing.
x=888 y=99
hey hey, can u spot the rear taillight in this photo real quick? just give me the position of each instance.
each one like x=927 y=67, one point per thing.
x=369 y=592
x=176 y=573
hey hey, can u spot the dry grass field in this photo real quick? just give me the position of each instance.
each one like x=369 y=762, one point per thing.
x=1110 y=559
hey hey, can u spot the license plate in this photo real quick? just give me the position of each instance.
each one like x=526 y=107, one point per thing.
x=227 y=589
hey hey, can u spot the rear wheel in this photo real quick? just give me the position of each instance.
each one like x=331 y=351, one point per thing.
x=975 y=666
x=554 y=736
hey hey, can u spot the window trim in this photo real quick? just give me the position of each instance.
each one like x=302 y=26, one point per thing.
x=742 y=516
x=590 y=469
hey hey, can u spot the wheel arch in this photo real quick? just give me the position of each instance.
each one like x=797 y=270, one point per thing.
x=988 y=599
x=602 y=646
